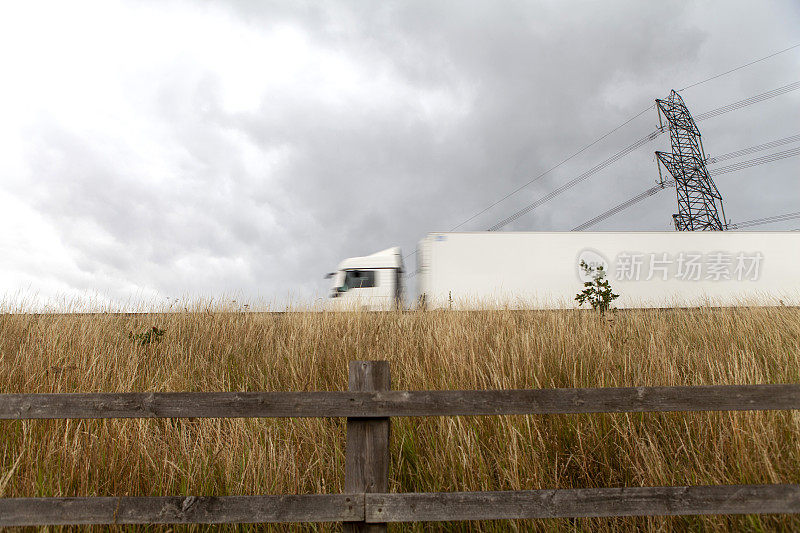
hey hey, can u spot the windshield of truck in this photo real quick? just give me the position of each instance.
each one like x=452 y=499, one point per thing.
x=358 y=279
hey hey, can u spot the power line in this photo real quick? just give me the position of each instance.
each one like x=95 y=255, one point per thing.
x=546 y=172
x=739 y=67
x=748 y=101
x=751 y=149
x=765 y=220
x=755 y=162
x=543 y=174
x=709 y=114
x=619 y=155
x=624 y=205
x=658 y=188
x=515 y=191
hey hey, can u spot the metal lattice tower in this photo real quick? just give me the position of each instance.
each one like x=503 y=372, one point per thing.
x=699 y=201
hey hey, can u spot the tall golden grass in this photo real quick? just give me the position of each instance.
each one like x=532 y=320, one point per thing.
x=213 y=350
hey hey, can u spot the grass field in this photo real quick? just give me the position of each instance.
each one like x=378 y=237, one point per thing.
x=209 y=350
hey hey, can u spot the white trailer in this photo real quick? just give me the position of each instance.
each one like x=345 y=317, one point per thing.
x=477 y=270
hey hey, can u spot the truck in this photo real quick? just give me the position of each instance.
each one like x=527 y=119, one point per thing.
x=545 y=270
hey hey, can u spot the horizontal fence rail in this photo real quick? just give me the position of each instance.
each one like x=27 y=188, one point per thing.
x=408 y=507
x=581 y=503
x=368 y=406
x=399 y=403
x=181 y=509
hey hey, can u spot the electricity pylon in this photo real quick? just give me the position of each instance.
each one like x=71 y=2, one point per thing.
x=699 y=201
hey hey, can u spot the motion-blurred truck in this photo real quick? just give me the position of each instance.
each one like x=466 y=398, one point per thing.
x=530 y=270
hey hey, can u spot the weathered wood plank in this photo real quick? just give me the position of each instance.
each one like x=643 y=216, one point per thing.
x=594 y=400
x=183 y=404
x=181 y=510
x=562 y=503
x=399 y=403
x=367 y=451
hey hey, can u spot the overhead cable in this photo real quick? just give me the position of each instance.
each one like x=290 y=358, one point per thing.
x=624 y=205
x=709 y=114
x=748 y=101
x=597 y=168
x=749 y=150
x=755 y=162
x=658 y=188
x=740 y=67
x=765 y=220
x=548 y=171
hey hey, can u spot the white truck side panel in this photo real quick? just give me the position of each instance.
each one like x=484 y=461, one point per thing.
x=540 y=269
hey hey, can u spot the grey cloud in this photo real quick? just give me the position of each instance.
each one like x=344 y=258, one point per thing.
x=532 y=84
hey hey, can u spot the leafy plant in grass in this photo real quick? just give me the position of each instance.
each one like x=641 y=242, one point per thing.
x=597 y=292
x=146 y=337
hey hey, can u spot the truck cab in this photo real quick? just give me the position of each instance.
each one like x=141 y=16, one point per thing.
x=369 y=283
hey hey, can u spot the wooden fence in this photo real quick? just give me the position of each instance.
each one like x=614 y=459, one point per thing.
x=366 y=504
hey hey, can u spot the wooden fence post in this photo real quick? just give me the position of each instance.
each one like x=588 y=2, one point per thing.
x=367 y=452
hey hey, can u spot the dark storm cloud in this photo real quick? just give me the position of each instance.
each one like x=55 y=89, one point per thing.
x=462 y=103
x=538 y=79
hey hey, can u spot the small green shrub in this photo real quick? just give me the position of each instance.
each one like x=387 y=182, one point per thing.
x=597 y=292
x=146 y=337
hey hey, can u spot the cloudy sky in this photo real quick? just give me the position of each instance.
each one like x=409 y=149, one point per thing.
x=159 y=149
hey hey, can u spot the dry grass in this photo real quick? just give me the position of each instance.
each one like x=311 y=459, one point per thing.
x=220 y=351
